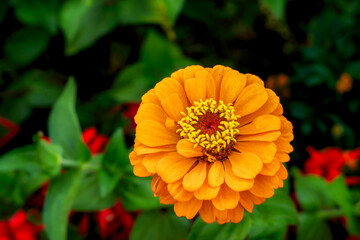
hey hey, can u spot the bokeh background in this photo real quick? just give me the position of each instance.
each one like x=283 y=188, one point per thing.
x=307 y=51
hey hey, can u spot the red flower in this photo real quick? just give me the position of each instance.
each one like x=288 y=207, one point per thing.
x=114 y=223
x=131 y=111
x=14 y=129
x=327 y=163
x=96 y=142
x=18 y=228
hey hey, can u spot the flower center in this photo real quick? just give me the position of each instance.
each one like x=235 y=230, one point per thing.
x=212 y=125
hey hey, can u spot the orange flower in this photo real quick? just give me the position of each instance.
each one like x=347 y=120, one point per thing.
x=214 y=141
x=344 y=84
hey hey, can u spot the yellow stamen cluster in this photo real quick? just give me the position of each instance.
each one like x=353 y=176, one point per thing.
x=209 y=124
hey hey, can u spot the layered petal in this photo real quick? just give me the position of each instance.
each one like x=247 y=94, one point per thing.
x=264 y=150
x=226 y=198
x=245 y=165
x=216 y=174
x=186 y=149
x=232 y=84
x=153 y=134
x=173 y=166
x=188 y=208
x=195 y=178
x=195 y=89
x=250 y=99
x=234 y=182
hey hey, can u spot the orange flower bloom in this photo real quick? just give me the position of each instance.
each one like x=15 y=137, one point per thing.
x=344 y=84
x=214 y=141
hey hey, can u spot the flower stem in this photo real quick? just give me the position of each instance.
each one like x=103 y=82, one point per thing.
x=330 y=213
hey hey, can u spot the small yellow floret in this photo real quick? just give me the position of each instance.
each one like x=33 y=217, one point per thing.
x=225 y=132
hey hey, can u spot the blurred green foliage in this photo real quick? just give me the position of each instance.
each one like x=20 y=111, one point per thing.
x=116 y=50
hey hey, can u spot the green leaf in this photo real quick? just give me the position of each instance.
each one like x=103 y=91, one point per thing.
x=160 y=226
x=116 y=157
x=88 y=197
x=58 y=202
x=272 y=218
x=312 y=192
x=353 y=70
x=38 y=13
x=136 y=194
x=312 y=227
x=164 y=12
x=64 y=127
x=40 y=87
x=83 y=22
x=3 y=8
x=279 y=208
x=300 y=110
x=107 y=181
x=203 y=231
x=277 y=7
x=158 y=59
x=230 y=231
x=342 y=196
x=25 y=45
x=50 y=157
x=115 y=162
x=23 y=159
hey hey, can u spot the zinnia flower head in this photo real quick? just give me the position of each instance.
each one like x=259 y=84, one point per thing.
x=214 y=141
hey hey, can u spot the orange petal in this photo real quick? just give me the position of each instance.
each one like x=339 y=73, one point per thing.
x=173 y=106
x=261 y=124
x=264 y=150
x=270 y=169
x=153 y=134
x=232 y=84
x=141 y=149
x=179 y=75
x=178 y=192
x=151 y=160
x=206 y=192
x=173 y=166
x=236 y=214
x=221 y=216
x=150 y=111
x=278 y=111
x=234 y=182
x=140 y=171
x=226 y=198
x=207 y=212
x=283 y=145
x=195 y=178
x=246 y=202
x=188 y=208
x=210 y=83
x=155 y=183
x=264 y=186
x=245 y=165
x=186 y=149
x=250 y=99
x=267 y=137
x=283 y=157
x=216 y=174
x=269 y=106
x=195 y=89
x=191 y=71
x=135 y=158
x=282 y=173
x=253 y=79
x=168 y=86
x=150 y=97
x=218 y=72
x=164 y=195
